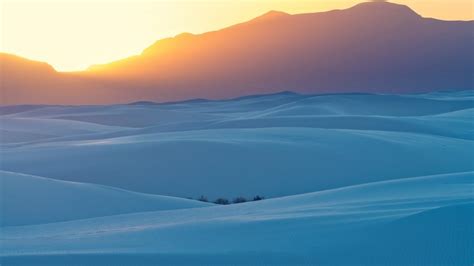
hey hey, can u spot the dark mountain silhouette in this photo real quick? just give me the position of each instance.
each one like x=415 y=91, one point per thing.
x=371 y=47
x=24 y=81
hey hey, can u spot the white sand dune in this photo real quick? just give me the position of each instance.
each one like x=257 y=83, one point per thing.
x=29 y=199
x=19 y=129
x=388 y=181
x=271 y=145
x=423 y=221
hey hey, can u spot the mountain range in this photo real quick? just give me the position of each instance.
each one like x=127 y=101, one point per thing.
x=372 y=47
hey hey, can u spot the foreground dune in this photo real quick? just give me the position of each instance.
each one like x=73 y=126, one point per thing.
x=423 y=221
x=34 y=200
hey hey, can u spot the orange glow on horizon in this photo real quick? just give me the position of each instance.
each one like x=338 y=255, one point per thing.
x=72 y=35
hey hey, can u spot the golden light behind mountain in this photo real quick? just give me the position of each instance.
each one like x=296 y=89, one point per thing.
x=371 y=47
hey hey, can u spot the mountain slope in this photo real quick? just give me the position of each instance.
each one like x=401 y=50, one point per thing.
x=25 y=81
x=375 y=47
x=371 y=47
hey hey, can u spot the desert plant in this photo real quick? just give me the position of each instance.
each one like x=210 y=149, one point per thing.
x=239 y=200
x=203 y=199
x=258 y=198
x=222 y=201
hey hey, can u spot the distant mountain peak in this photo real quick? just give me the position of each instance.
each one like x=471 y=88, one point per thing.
x=385 y=8
x=185 y=35
x=271 y=15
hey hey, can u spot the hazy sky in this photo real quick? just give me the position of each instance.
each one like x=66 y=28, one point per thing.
x=72 y=34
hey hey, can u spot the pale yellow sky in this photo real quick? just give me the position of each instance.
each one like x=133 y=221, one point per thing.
x=73 y=34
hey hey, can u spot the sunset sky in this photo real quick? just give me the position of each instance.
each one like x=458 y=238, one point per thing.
x=71 y=34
